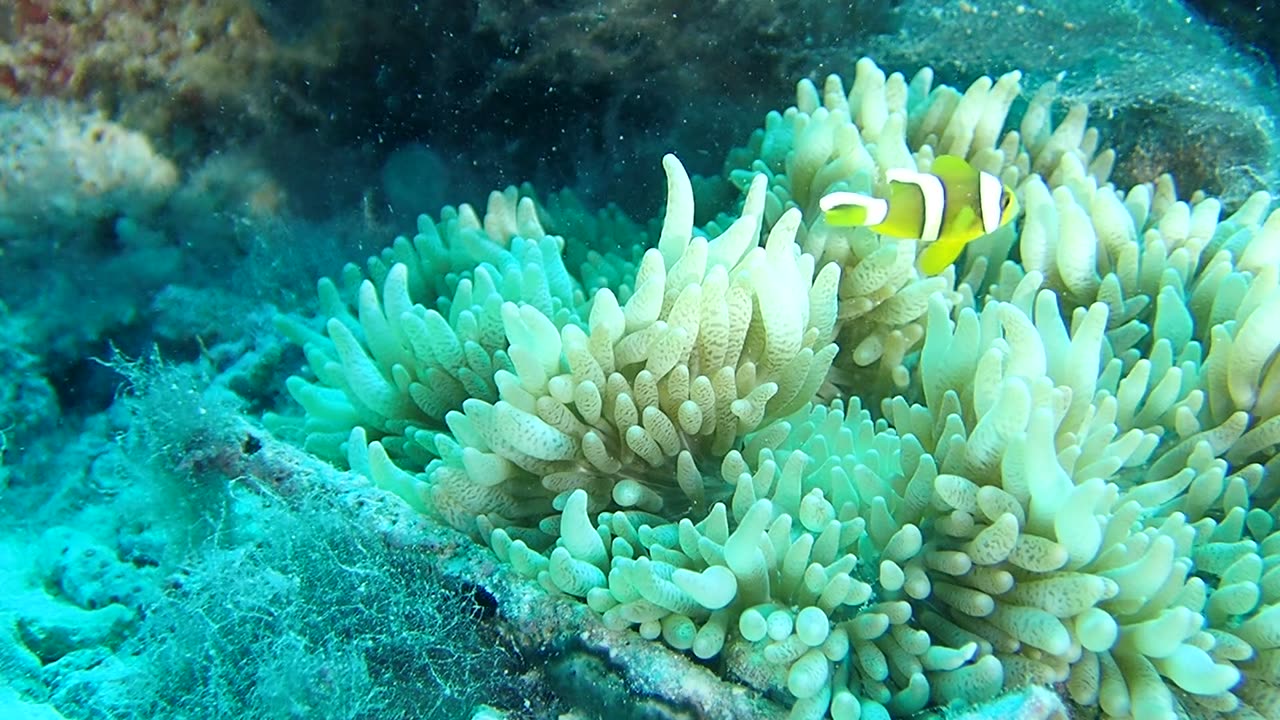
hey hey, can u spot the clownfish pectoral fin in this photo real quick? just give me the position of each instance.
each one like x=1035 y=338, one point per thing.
x=939 y=255
x=966 y=224
x=850 y=209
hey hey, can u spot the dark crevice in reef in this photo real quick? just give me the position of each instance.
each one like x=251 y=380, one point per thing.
x=1249 y=23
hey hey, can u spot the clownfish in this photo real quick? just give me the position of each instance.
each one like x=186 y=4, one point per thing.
x=945 y=209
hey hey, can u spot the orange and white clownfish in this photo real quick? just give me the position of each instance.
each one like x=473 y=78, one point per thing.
x=945 y=209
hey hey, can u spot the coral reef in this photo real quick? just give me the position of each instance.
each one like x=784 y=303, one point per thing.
x=865 y=491
x=27 y=399
x=92 y=194
x=151 y=63
x=83 y=196
x=294 y=116
x=184 y=569
x=1051 y=468
x=64 y=172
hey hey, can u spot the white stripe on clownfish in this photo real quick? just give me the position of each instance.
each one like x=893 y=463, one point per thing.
x=990 y=190
x=877 y=208
x=934 y=199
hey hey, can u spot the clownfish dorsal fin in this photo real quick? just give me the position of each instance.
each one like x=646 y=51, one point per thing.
x=952 y=168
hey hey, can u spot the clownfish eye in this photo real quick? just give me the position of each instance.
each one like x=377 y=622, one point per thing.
x=1005 y=198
